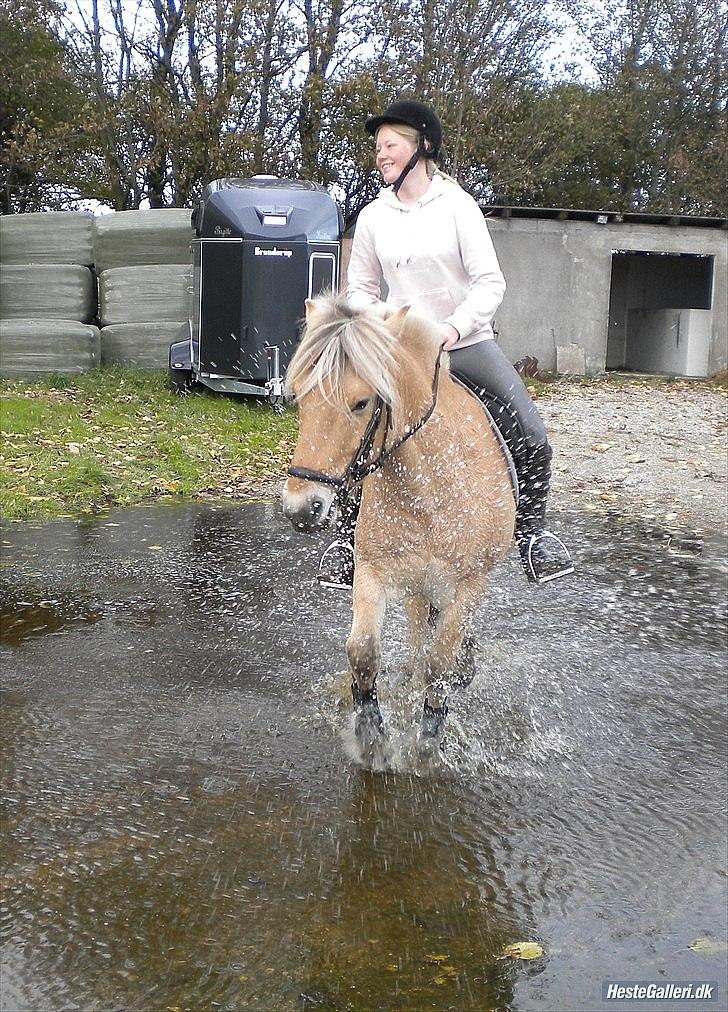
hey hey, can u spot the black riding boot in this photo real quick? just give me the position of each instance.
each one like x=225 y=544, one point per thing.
x=336 y=568
x=544 y=556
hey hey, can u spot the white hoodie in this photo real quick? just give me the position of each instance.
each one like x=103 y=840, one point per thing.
x=435 y=255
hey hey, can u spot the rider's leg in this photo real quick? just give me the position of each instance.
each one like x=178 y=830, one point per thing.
x=486 y=369
x=336 y=568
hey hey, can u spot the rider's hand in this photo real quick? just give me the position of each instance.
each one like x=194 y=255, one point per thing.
x=449 y=337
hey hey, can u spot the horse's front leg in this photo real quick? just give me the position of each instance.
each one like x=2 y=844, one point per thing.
x=451 y=658
x=418 y=611
x=363 y=650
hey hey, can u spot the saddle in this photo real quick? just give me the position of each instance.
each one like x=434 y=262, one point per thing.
x=503 y=423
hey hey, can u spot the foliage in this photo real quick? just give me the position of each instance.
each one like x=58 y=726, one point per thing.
x=161 y=96
x=41 y=111
x=117 y=437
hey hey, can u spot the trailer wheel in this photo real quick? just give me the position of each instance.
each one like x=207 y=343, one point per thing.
x=180 y=380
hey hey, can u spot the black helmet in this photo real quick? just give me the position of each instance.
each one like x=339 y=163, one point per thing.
x=413 y=114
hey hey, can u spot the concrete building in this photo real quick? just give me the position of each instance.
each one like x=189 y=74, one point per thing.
x=589 y=291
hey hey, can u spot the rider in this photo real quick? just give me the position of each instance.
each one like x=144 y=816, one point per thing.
x=427 y=239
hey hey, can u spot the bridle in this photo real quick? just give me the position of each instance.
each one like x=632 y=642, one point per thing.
x=360 y=465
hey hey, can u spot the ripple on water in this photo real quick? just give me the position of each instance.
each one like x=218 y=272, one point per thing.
x=185 y=829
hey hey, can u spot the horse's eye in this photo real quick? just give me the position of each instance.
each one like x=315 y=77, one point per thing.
x=360 y=406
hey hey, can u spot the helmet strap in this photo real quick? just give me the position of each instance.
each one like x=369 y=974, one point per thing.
x=406 y=171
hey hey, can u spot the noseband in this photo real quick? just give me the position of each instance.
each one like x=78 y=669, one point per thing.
x=360 y=465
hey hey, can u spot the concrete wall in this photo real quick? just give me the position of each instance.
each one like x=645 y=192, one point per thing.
x=559 y=277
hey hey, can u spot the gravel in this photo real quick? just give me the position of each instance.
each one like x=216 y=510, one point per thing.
x=656 y=453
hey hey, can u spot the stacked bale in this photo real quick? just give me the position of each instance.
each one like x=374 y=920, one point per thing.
x=142 y=259
x=47 y=294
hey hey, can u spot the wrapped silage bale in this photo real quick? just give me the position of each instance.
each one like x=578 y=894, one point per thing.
x=47 y=237
x=131 y=238
x=33 y=347
x=139 y=345
x=47 y=292
x=159 y=292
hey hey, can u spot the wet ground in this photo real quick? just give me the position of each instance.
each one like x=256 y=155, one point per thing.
x=183 y=829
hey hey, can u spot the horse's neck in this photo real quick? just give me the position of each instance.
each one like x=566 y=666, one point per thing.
x=428 y=455
x=415 y=390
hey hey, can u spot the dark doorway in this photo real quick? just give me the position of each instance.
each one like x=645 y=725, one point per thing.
x=660 y=312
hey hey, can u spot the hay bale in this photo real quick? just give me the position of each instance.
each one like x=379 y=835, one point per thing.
x=47 y=292
x=34 y=347
x=131 y=238
x=138 y=345
x=144 y=294
x=47 y=237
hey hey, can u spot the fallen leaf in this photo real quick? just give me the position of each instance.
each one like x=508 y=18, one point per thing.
x=709 y=946
x=436 y=957
x=523 y=950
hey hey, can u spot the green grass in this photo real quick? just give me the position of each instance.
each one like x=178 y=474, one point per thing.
x=79 y=445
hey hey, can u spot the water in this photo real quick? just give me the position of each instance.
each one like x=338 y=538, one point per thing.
x=183 y=828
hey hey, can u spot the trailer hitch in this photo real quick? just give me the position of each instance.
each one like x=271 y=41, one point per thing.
x=274 y=382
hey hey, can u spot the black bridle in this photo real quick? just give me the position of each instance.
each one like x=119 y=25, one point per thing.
x=361 y=465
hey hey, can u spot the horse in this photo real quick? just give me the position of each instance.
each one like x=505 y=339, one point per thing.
x=378 y=408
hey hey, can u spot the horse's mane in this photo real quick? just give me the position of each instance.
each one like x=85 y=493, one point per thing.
x=337 y=336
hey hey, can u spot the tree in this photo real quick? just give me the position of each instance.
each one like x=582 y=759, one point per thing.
x=664 y=66
x=42 y=111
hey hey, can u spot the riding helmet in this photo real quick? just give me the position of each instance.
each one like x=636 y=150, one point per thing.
x=413 y=114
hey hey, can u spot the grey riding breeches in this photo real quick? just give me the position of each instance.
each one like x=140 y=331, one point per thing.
x=485 y=369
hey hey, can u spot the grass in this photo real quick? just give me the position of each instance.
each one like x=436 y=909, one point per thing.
x=116 y=437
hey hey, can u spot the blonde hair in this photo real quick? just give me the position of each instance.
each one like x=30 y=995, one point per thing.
x=412 y=135
x=337 y=336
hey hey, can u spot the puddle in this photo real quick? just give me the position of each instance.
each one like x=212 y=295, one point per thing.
x=183 y=828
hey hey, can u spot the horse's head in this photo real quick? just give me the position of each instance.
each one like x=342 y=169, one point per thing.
x=345 y=361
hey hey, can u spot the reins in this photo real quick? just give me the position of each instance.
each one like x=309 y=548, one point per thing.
x=360 y=467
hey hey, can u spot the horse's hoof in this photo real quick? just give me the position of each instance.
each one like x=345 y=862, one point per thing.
x=371 y=746
x=465 y=673
x=368 y=723
x=432 y=729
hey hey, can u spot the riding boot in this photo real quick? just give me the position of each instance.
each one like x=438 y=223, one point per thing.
x=336 y=568
x=544 y=556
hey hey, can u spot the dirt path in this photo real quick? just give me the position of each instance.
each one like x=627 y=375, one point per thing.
x=654 y=453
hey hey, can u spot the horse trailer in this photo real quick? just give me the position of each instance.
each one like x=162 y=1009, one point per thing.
x=261 y=247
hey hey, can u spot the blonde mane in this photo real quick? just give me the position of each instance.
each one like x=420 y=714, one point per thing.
x=337 y=337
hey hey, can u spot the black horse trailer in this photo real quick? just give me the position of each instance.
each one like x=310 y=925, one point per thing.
x=262 y=246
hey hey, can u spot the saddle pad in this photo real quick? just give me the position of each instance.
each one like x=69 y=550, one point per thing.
x=507 y=455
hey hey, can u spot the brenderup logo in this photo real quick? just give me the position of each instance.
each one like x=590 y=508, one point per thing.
x=274 y=252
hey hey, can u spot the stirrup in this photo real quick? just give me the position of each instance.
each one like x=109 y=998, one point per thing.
x=544 y=557
x=336 y=568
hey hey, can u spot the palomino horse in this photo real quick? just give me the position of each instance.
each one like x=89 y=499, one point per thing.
x=378 y=407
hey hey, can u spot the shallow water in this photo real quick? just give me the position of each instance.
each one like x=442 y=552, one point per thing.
x=183 y=828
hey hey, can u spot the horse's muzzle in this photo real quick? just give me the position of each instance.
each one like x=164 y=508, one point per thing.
x=310 y=508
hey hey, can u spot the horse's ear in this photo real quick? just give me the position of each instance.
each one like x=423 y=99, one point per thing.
x=395 y=322
x=310 y=306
